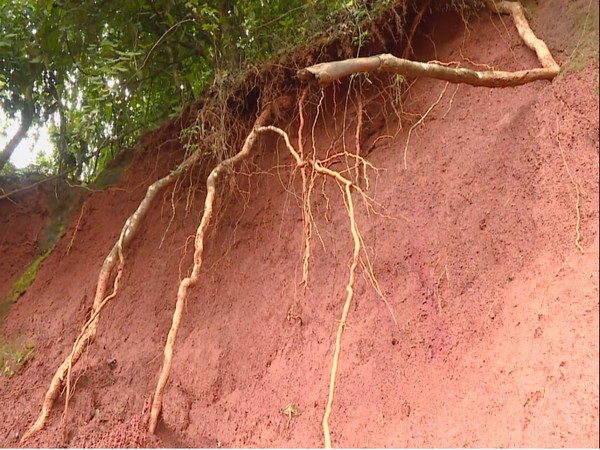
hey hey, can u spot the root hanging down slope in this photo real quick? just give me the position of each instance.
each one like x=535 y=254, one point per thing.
x=90 y=328
x=192 y=280
x=326 y=73
x=322 y=74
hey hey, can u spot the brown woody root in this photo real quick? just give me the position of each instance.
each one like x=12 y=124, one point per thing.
x=323 y=73
x=37 y=183
x=192 y=280
x=90 y=328
x=326 y=73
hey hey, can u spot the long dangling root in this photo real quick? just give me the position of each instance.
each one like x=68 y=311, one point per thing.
x=576 y=186
x=90 y=328
x=347 y=189
x=324 y=74
x=192 y=280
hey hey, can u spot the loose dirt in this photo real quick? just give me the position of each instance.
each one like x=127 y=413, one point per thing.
x=496 y=342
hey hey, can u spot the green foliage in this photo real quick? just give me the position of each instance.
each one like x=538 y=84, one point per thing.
x=9 y=168
x=26 y=51
x=273 y=27
x=103 y=72
x=44 y=164
x=13 y=355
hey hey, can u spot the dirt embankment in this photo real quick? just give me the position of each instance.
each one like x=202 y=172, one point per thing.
x=474 y=247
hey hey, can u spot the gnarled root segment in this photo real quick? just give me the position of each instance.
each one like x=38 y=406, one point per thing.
x=192 y=280
x=90 y=328
x=326 y=73
x=303 y=163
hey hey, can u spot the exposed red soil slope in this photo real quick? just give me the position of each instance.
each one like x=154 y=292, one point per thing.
x=22 y=224
x=497 y=336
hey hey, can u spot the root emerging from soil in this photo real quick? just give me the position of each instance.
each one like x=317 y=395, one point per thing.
x=310 y=167
x=90 y=328
x=577 y=193
x=348 y=186
x=326 y=73
x=192 y=280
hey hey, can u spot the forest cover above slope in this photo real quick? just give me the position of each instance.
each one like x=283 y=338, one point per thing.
x=98 y=74
x=199 y=64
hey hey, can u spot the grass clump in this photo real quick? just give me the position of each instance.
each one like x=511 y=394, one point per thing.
x=583 y=22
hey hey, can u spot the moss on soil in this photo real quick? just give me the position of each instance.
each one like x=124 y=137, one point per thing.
x=112 y=172
x=65 y=201
x=13 y=355
x=24 y=281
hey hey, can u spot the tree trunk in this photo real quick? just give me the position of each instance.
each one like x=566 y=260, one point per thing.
x=26 y=121
x=230 y=32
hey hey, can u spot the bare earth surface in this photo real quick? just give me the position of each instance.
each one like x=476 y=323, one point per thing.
x=473 y=245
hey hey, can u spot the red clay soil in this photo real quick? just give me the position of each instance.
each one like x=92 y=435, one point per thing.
x=22 y=224
x=496 y=342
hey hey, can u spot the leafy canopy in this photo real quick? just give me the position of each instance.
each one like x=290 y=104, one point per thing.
x=101 y=71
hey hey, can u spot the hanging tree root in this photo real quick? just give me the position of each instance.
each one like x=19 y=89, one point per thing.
x=326 y=73
x=192 y=280
x=576 y=186
x=306 y=212
x=318 y=167
x=86 y=326
x=90 y=328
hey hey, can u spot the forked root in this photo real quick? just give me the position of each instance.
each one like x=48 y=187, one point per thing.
x=347 y=189
x=323 y=73
x=90 y=328
x=344 y=318
x=192 y=280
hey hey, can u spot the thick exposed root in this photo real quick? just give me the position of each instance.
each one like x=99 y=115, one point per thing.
x=192 y=280
x=326 y=73
x=90 y=328
x=346 y=309
x=306 y=212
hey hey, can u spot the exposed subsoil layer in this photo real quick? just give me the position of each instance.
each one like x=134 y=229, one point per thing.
x=497 y=337
x=22 y=225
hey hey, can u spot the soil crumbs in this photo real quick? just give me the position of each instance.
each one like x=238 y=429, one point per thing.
x=496 y=341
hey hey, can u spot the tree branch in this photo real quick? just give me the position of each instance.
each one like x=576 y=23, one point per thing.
x=26 y=121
